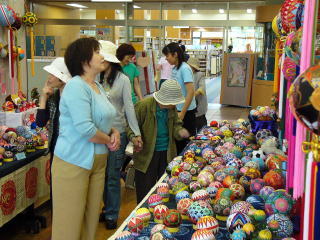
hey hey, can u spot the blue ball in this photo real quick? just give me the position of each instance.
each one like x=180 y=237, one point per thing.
x=182 y=195
x=256 y=201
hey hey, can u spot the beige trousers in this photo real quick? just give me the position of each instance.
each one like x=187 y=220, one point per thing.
x=77 y=195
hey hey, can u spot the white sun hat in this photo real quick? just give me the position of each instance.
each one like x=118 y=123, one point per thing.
x=108 y=51
x=169 y=93
x=59 y=69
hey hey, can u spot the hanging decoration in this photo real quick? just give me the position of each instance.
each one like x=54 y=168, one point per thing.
x=30 y=19
x=7 y=15
x=288 y=14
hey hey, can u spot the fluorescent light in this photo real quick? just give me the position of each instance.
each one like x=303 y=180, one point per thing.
x=136 y=6
x=76 y=5
x=249 y=10
x=194 y=11
x=221 y=10
x=111 y=0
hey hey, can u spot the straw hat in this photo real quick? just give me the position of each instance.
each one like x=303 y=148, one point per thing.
x=169 y=93
x=108 y=51
x=194 y=62
x=59 y=69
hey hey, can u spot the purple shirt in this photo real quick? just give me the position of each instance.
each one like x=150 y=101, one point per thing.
x=165 y=68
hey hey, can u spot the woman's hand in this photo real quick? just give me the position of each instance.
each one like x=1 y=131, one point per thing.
x=47 y=90
x=114 y=140
x=137 y=143
x=184 y=133
x=181 y=115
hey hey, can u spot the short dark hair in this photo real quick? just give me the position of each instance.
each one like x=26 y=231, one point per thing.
x=124 y=50
x=174 y=48
x=78 y=53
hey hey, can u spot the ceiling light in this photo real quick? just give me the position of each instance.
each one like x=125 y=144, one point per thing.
x=249 y=10
x=111 y=0
x=76 y=5
x=118 y=11
x=194 y=11
x=221 y=10
x=136 y=6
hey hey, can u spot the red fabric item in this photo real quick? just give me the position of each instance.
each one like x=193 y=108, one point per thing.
x=146 y=77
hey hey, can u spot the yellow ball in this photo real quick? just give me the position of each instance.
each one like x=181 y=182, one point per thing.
x=144 y=214
x=259 y=215
x=248 y=228
x=265 y=235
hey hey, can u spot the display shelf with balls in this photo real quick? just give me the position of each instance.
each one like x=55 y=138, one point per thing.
x=212 y=199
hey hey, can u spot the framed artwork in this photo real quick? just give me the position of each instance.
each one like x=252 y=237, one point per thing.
x=236 y=79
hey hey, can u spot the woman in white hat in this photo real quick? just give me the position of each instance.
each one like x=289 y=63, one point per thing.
x=49 y=100
x=200 y=93
x=118 y=88
x=160 y=126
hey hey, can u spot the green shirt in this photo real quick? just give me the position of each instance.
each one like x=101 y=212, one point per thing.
x=132 y=72
x=162 y=129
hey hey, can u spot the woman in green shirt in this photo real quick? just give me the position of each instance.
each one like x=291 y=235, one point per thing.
x=159 y=125
x=125 y=53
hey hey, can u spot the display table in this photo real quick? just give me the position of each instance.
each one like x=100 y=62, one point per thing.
x=22 y=183
x=186 y=229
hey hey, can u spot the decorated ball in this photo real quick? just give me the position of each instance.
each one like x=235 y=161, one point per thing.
x=144 y=214
x=220 y=151
x=183 y=206
x=228 y=181
x=238 y=235
x=256 y=185
x=200 y=195
x=171 y=165
x=182 y=195
x=236 y=221
x=185 y=166
x=232 y=171
x=259 y=215
x=274 y=161
x=209 y=169
x=205 y=178
x=260 y=163
x=279 y=202
x=245 y=159
x=176 y=170
x=199 y=209
x=212 y=191
x=185 y=177
x=135 y=225
x=222 y=206
x=194 y=186
x=172 y=218
x=237 y=190
x=203 y=234
x=265 y=192
x=208 y=154
x=229 y=157
x=159 y=213
x=280 y=225
x=153 y=201
x=195 y=169
x=265 y=234
x=253 y=173
x=164 y=193
x=7 y=15
x=157 y=228
x=256 y=201
x=216 y=184
x=173 y=181
x=179 y=187
x=189 y=154
x=245 y=182
x=30 y=19
x=163 y=234
x=274 y=179
x=220 y=175
x=247 y=152
x=208 y=223
x=125 y=235
x=225 y=192
x=248 y=228
x=241 y=206
x=263 y=133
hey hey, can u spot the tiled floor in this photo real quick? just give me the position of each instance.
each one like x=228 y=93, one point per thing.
x=15 y=229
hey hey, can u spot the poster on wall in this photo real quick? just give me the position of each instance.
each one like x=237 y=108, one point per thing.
x=237 y=71
x=236 y=80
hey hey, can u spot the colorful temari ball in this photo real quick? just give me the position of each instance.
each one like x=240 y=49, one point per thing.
x=176 y=170
x=222 y=206
x=231 y=171
x=200 y=195
x=279 y=202
x=125 y=235
x=285 y=226
x=237 y=151
x=274 y=179
x=208 y=223
x=265 y=192
x=247 y=152
x=234 y=163
x=256 y=185
x=172 y=218
x=199 y=209
x=212 y=191
x=144 y=214
x=265 y=234
x=228 y=145
x=245 y=182
x=183 y=206
x=209 y=168
x=225 y=192
x=194 y=186
x=230 y=140
x=198 y=151
x=241 y=206
x=238 y=235
x=274 y=161
x=159 y=213
x=164 y=193
x=261 y=163
x=205 y=178
x=252 y=164
x=228 y=181
x=253 y=173
x=236 y=221
x=189 y=154
x=135 y=225
x=259 y=215
x=229 y=157
x=182 y=195
x=245 y=159
x=185 y=166
x=179 y=187
x=263 y=133
x=256 y=201
x=173 y=181
x=220 y=151
x=185 y=177
x=171 y=165
x=195 y=169
x=216 y=184
x=208 y=154
x=237 y=190
x=248 y=228
x=203 y=234
x=157 y=228
x=220 y=175
x=241 y=143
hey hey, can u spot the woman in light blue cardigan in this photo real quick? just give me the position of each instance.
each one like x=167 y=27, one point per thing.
x=85 y=137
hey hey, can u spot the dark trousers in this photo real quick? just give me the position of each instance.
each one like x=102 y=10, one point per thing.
x=201 y=122
x=189 y=123
x=145 y=181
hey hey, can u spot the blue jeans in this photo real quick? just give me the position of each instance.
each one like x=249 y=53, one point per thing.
x=112 y=187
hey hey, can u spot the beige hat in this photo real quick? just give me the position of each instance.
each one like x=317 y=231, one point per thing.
x=194 y=62
x=108 y=51
x=59 y=69
x=169 y=93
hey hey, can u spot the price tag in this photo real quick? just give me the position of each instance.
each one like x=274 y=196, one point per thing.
x=20 y=156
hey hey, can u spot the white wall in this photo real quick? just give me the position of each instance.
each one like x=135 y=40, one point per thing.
x=88 y=14
x=215 y=15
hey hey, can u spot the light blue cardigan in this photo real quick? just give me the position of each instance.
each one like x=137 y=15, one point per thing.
x=82 y=113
